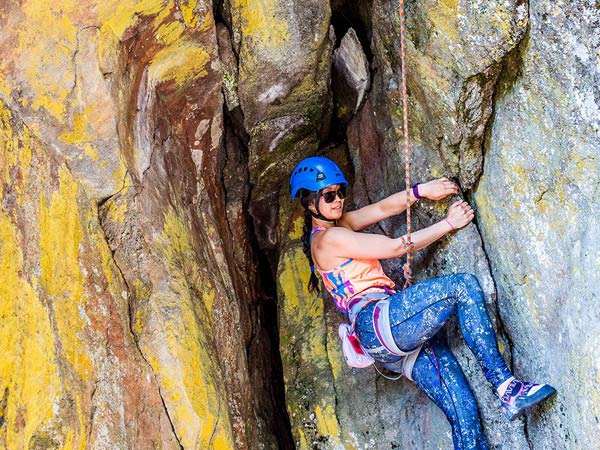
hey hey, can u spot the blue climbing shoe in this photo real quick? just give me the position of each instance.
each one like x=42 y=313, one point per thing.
x=520 y=396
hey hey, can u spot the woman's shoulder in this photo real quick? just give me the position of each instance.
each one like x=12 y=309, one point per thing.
x=332 y=237
x=336 y=232
x=327 y=247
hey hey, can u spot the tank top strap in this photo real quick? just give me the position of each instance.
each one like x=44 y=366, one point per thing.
x=316 y=230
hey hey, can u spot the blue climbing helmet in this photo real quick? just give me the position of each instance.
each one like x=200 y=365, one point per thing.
x=315 y=173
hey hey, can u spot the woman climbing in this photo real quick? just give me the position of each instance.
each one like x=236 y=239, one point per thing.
x=399 y=329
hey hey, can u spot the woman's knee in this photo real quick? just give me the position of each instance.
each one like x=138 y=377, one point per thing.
x=470 y=283
x=469 y=280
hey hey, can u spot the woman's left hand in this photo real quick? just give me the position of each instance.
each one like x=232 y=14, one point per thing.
x=438 y=189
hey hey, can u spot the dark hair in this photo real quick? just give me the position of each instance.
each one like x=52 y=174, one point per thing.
x=306 y=197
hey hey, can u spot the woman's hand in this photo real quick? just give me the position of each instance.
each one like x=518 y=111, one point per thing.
x=459 y=214
x=438 y=189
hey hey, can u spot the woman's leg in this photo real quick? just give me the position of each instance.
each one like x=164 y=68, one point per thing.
x=439 y=375
x=419 y=312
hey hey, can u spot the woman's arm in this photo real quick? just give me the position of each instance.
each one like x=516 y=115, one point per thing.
x=339 y=242
x=370 y=214
x=395 y=204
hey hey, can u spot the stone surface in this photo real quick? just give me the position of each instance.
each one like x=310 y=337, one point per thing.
x=71 y=374
x=140 y=333
x=150 y=251
x=350 y=76
x=284 y=58
x=55 y=81
x=451 y=87
x=537 y=202
x=454 y=52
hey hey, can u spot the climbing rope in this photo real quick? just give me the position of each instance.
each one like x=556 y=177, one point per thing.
x=408 y=276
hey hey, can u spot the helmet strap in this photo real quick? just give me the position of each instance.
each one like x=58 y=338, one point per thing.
x=318 y=214
x=321 y=217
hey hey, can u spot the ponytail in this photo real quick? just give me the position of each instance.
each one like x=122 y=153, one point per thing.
x=306 y=197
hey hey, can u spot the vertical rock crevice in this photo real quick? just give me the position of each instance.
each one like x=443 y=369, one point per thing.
x=260 y=300
x=510 y=69
x=104 y=222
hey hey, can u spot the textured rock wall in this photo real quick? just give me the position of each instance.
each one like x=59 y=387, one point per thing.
x=150 y=254
x=465 y=60
x=282 y=78
x=71 y=374
x=112 y=131
x=537 y=207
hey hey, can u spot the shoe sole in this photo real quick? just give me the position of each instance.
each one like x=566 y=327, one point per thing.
x=541 y=395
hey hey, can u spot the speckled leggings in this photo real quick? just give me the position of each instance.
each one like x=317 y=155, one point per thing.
x=416 y=315
x=449 y=389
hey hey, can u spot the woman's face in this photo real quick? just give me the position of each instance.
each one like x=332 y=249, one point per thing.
x=334 y=209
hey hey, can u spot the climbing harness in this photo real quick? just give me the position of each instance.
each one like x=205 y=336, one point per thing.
x=358 y=357
x=408 y=276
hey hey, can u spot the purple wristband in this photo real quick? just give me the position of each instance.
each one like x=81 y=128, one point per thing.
x=415 y=190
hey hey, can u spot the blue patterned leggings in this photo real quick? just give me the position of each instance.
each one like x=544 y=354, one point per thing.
x=416 y=315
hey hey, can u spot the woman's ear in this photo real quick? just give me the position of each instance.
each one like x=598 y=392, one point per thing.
x=311 y=207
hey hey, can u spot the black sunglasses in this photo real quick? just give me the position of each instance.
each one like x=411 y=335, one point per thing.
x=331 y=195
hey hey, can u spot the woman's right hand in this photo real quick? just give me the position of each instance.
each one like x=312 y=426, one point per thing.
x=460 y=214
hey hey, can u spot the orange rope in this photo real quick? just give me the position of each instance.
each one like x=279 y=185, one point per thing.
x=408 y=276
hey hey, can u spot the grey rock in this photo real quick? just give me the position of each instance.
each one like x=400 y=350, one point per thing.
x=537 y=203
x=351 y=65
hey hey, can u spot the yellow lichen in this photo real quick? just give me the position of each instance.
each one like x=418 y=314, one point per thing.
x=69 y=441
x=184 y=359
x=28 y=372
x=180 y=63
x=260 y=21
x=304 y=339
x=302 y=439
x=297 y=228
x=336 y=360
x=46 y=59
x=188 y=12
x=61 y=278
x=119 y=15
x=6 y=146
x=207 y=23
x=179 y=236
x=25 y=156
x=502 y=20
x=443 y=17
x=327 y=424
x=5 y=89
x=80 y=131
x=116 y=212
x=169 y=33
x=189 y=380
x=119 y=175
x=293 y=280
x=86 y=125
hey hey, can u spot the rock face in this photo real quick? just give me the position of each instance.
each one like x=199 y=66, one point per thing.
x=71 y=374
x=458 y=52
x=541 y=232
x=350 y=76
x=153 y=286
x=112 y=133
x=284 y=56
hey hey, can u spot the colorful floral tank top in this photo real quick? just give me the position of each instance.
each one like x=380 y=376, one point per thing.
x=353 y=277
